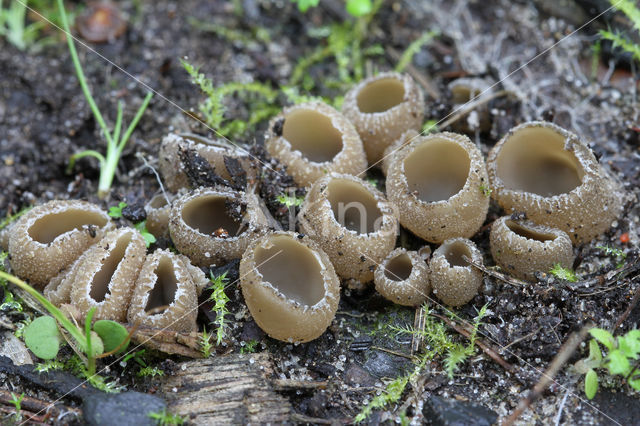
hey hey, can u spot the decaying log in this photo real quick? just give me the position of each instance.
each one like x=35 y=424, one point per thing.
x=226 y=389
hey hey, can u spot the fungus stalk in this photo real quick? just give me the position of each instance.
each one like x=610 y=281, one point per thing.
x=117 y=140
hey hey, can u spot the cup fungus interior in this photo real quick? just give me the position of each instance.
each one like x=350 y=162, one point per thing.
x=534 y=160
x=399 y=268
x=463 y=93
x=292 y=268
x=208 y=214
x=312 y=133
x=101 y=280
x=381 y=95
x=531 y=234
x=49 y=227
x=353 y=206
x=158 y=202
x=437 y=170
x=455 y=252
x=165 y=287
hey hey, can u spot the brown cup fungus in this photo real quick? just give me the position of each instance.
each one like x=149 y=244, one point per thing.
x=313 y=139
x=49 y=237
x=464 y=90
x=158 y=211
x=105 y=274
x=395 y=148
x=522 y=247
x=453 y=279
x=403 y=278
x=352 y=222
x=548 y=173
x=382 y=108
x=438 y=183
x=211 y=225
x=165 y=294
x=290 y=286
x=172 y=167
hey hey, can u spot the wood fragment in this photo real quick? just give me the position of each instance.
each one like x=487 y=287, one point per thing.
x=290 y=384
x=169 y=342
x=547 y=377
x=35 y=405
x=233 y=389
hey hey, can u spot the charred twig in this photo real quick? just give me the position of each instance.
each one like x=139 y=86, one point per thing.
x=492 y=353
x=419 y=76
x=625 y=314
x=547 y=377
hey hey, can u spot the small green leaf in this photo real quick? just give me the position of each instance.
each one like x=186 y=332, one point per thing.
x=629 y=346
x=116 y=211
x=603 y=336
x=591 y=384
x=148 y=236
x=618 y=363
x=112 y=334
x=304 y=5
x=42 y=337
x=359 y=8
x=594 y=351
x=97 y=347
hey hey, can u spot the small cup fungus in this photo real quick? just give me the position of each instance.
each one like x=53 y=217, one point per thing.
x=453 y=279
x=403 y=278
x=165 y=294
x=290 y=286
x=548 y=173
x=51 y=236
x=211 y=225
x=437 y=183
x=464 y=90
x=104 y=276
x=352 y=222
x=396 y=147
x=313 y=139
x=522 y=247
x=158 y=210
x=172 y=168
x=382 y=108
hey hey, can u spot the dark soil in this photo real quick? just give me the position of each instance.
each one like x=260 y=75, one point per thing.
x=44 y=119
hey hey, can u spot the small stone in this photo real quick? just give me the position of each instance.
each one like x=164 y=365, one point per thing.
x=358 y=376
x=135 y=212
x=123 y=409
x=450 y=412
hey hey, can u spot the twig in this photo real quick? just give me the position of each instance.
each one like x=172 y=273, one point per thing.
x=419 y=323
x=291 y=384
x=520 y=339
x=378 y=348
x=492 y=353
x=623 y=317
x=547 y=377
x=419 y=76
x=502 y=277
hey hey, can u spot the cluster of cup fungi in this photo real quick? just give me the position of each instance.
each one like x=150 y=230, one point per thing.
x=438 y=186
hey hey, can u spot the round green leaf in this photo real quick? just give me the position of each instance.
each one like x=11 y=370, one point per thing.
x=591 y=384
x=359 y=8
x=112 y=334
x=42 y=337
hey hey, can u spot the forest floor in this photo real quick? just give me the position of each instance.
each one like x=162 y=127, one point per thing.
x=526 y=46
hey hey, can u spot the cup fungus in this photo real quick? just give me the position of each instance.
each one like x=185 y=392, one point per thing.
x=395 y=148
x=51 y=236
x=211 y=225
x=171 y=165
x=165 y=294
x=158 y=210
x=290 y=286
x=453 y=279
x=437 y=183
x=522 y=247
x=313 y=139
x=104 y=276
x=382 y=108
x=548 y=173
x=403 y=278
x=352 y=222
x=464 y=90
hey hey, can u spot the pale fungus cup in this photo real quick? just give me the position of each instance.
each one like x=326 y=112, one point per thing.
x=352 y=222
x=212 y=225
x=382 y=108
x=453 y=279
x=403 y=278
x=49 y=237
x=289 y=286
x=165 y=294
x=541 y=169
x=313 y=139
x=440 y=185
x=158 y=210
x=523 y=248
